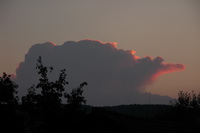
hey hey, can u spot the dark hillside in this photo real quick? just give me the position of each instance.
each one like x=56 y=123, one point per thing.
x=93 y=120
x=144 y=111
x=103 y=120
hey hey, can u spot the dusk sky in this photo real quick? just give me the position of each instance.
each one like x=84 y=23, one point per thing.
x=158 y=28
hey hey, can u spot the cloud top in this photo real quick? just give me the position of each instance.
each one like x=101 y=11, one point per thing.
x=115 y=76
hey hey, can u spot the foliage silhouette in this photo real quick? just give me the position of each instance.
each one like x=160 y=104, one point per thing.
x=75 y=98
x=186 y=107
x=43 y=103
x=10 y=120
x=8 y=90
x=31 y=97
x=187 y=100
x=52 y=92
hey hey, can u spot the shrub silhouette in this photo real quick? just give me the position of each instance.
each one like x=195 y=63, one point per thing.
x=8 y=90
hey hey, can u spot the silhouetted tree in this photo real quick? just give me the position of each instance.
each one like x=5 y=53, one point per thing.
x=186 y=107
x=75 y=98
x=8 y=90
x=41 y=109
x=187 y=100
x=51 y=92
x=194 y=101
x=183 y=99
x=31 y=98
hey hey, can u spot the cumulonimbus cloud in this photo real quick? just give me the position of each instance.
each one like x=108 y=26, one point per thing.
x=115 y=76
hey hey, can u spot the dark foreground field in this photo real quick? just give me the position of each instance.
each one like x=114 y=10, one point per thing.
x=108 y=119
x=125 y=118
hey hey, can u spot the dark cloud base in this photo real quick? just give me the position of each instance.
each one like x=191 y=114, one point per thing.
x=115 y=76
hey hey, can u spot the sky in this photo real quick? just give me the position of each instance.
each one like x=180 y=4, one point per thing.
x=166 y=28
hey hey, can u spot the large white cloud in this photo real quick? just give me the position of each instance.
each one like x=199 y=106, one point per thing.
x=114 y=76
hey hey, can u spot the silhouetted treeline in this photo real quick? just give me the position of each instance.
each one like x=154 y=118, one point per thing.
x=41 y=110
x=187 y=100
x=187 y=106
